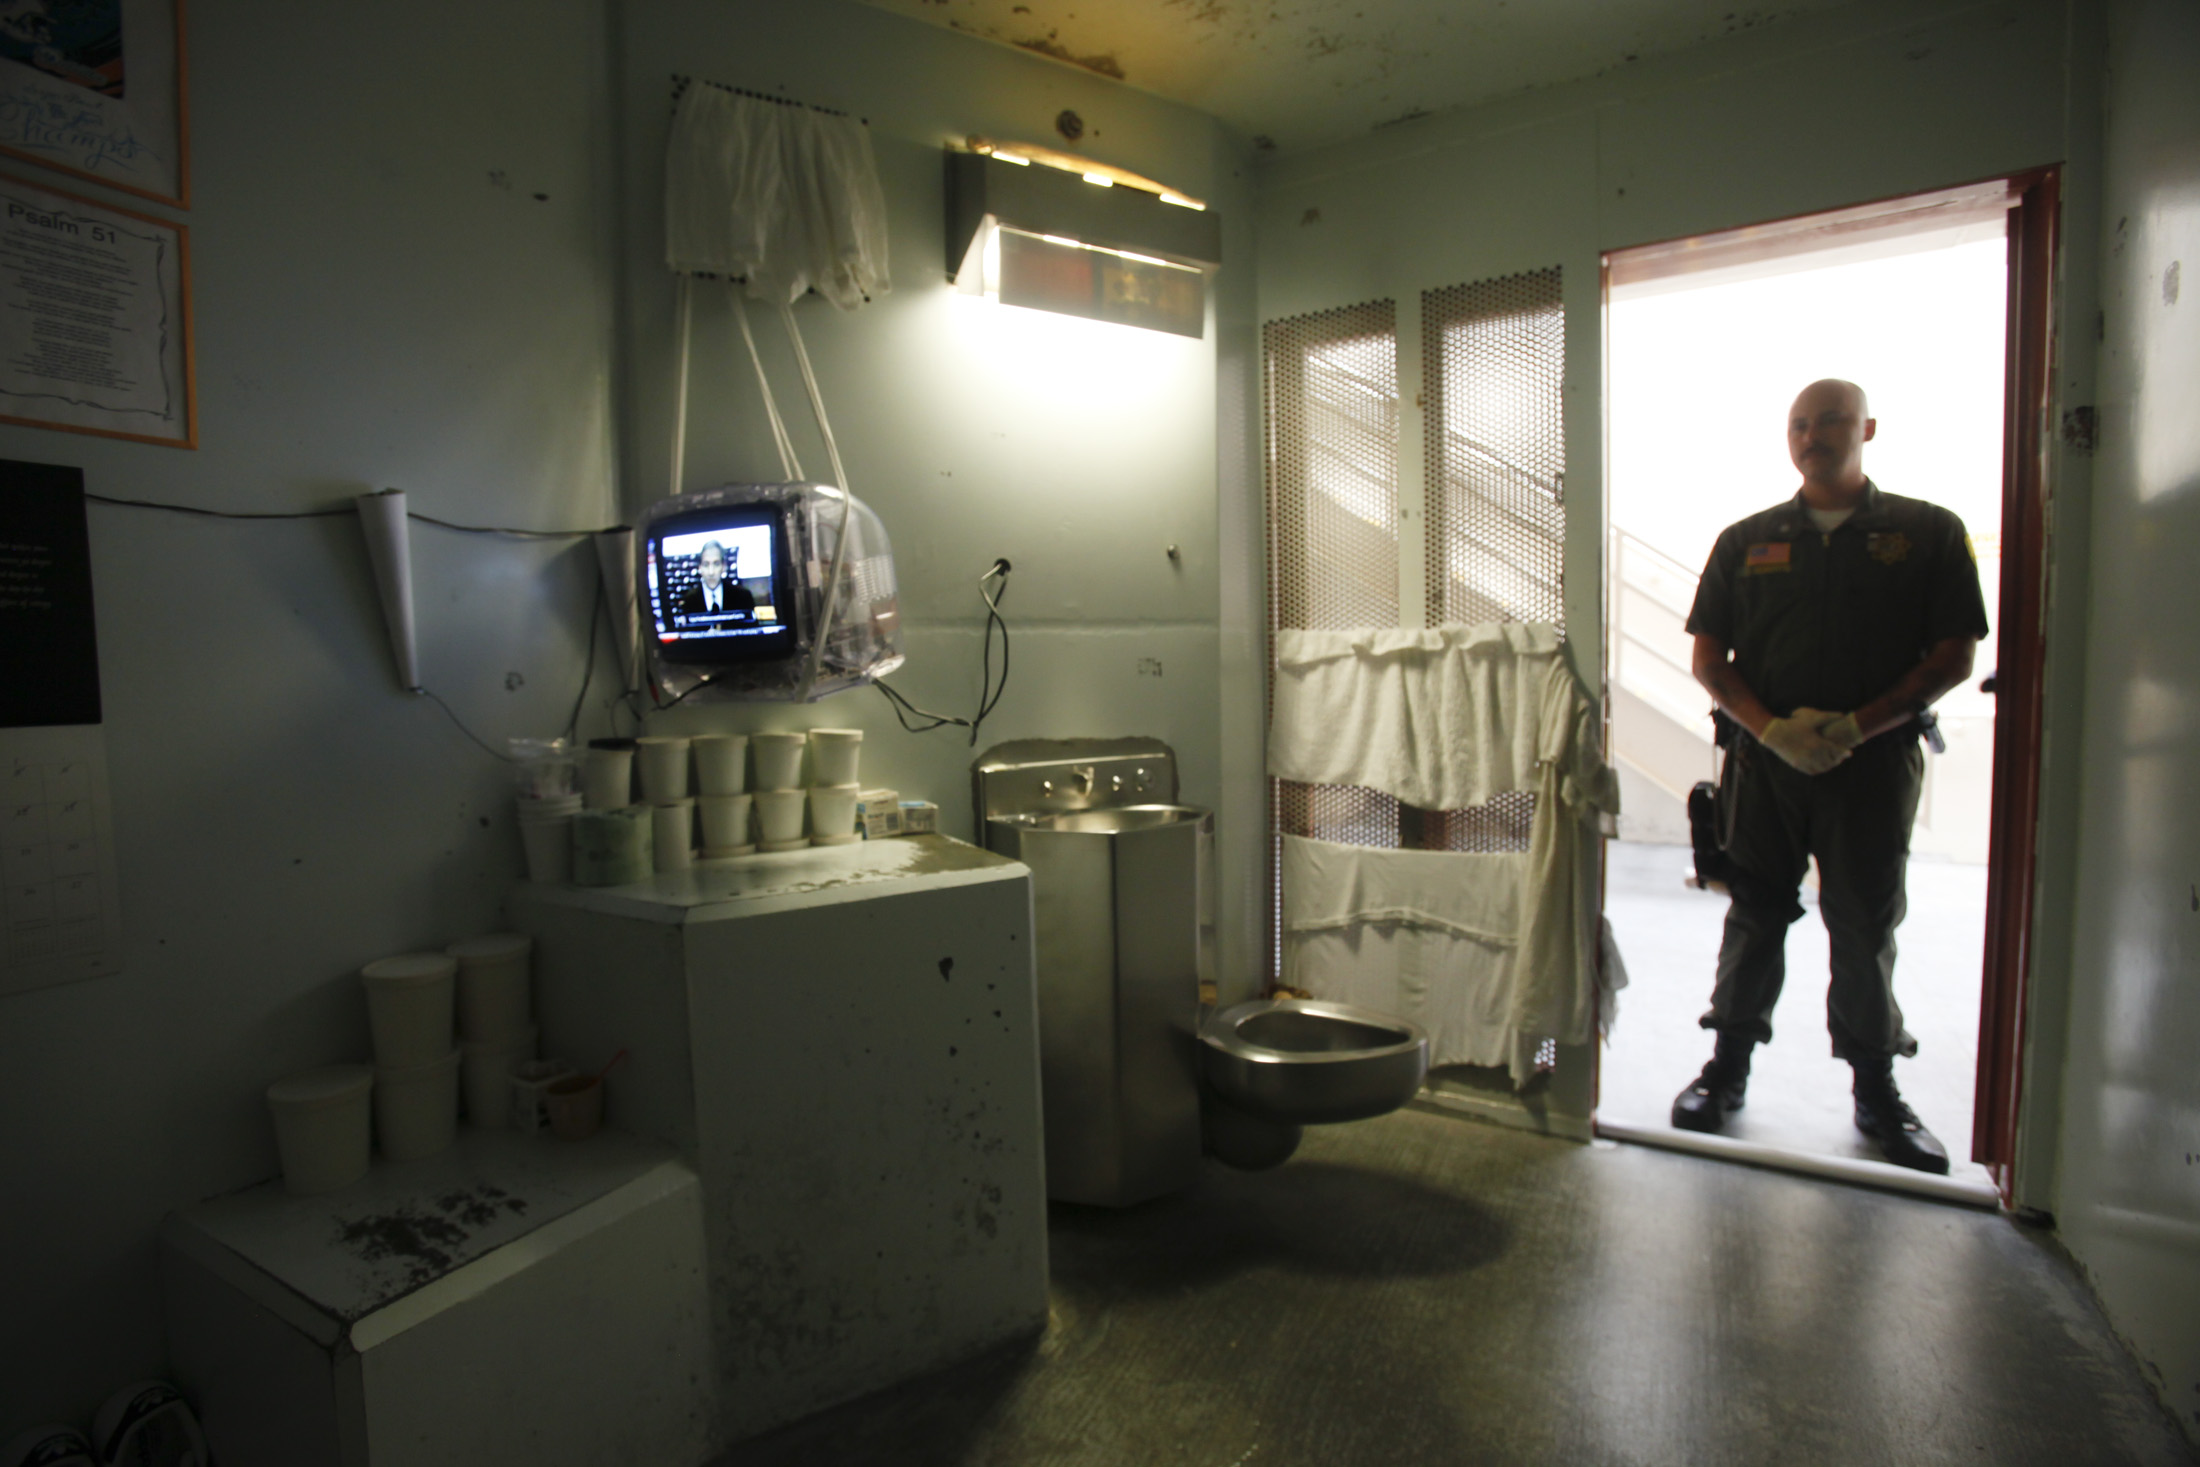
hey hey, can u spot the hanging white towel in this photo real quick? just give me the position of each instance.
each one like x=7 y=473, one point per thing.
x=1443 y=718
x=1492 y=953
x=786 y=197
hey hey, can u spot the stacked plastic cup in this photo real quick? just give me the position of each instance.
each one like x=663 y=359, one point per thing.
x=607 y=774
x=779 y=797
x=834 y=788
x=548 y=799
x=410 y=999
x=721 y=782
x=496 y=1027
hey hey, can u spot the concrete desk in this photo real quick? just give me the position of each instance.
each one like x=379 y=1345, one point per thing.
x=513 y=1299
x=842 y=1042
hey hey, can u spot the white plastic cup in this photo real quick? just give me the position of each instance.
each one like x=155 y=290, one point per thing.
x=779 y=814
x=416 y=1107
x=833 y=810
x=494 y=1000
x=675 y=834
x=664 y=763
x=721 y=763
x=486 y=1072
x=607 y=777
x=725 y=820
x=833 y=755
x=409 y=1003
x=322 y=1126
x=548 y=841
x=778 y=760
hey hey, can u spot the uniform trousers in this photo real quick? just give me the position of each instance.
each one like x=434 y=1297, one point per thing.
x=1855 y=819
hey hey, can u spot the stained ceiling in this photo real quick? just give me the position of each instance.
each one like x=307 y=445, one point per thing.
x=1300 y=73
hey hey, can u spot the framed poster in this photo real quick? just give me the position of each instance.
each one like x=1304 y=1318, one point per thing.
x=97 y=88
x=95 y=318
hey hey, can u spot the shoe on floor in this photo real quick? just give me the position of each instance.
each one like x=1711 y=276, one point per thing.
x=1882 y=1115
x=149 y=1425
x=48 y=1446
x=1704 y=1105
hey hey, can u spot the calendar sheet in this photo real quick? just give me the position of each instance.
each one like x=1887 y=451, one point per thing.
x=59 y=918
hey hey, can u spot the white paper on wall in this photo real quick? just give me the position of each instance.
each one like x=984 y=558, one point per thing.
x=60 y=919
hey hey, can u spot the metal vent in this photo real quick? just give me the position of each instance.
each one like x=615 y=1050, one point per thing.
x=1494 y=364
x=1331 y=382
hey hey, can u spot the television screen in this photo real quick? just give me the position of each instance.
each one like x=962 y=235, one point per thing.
x=717 y=585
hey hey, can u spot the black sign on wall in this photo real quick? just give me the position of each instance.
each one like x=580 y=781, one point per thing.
x=49 y=648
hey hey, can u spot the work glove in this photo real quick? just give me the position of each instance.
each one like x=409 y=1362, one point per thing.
x=1839 y=729
x=1797 y=740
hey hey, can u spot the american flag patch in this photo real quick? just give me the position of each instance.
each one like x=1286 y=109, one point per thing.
x=1773 y=553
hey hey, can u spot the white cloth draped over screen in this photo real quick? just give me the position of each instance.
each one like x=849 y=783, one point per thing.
x=786 y=197
x=1491 y=953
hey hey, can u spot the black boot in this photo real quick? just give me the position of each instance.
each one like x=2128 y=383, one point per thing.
x=1882 y=1115
x=1704 y=1105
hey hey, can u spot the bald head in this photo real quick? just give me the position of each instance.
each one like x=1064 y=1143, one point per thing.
x=1827 y=429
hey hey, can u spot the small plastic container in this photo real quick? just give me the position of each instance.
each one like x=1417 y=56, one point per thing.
x=575 y=1106
x=721 y=763
x=673 y=834
x=409 y=1004
x=778 y=760
x=834 y=754
x=485 y=1072
x=530 y=1080
x=416 y=1107
x=495 y=996
x=833 y=811
x=322 y=1126
x=607 y=774
x=612 y=847
x=543 y=768
x=725 y=820
x=779 y=814
x=663 y=759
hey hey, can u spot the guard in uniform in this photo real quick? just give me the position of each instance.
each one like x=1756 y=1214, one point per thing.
x=1824 y=627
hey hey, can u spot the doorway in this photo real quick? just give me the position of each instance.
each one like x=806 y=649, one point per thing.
x=1707 y=342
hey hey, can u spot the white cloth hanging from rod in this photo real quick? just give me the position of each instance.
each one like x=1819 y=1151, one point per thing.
x=1491 y=953
x=786 y=197
x=1431 y=716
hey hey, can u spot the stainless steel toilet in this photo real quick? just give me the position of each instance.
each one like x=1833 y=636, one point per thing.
x=1307 y=1062
x=1134 y=1089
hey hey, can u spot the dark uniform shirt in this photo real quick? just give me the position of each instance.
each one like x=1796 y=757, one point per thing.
x=1833 y=619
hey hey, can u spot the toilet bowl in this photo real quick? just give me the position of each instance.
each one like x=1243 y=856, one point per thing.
x=1307 y=1062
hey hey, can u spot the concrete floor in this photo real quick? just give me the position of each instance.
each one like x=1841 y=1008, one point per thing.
x=1420 y=1289
x=1798 y=1093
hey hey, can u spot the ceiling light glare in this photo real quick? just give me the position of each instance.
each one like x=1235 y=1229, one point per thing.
x=1141 y=259
x=1063 y=239
x=1100 y=179
x=1183 y=203
x=1012 y=158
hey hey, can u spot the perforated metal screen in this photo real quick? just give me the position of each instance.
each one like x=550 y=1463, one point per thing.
x=1494 y=360
x=1331 y=381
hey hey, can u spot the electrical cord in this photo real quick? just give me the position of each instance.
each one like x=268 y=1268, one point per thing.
x=989 y=695
x=323 y=514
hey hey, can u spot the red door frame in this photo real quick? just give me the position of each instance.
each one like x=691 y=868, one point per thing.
x=2012 y=844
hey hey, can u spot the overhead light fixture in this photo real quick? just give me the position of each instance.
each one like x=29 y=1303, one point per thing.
x=1082 y=240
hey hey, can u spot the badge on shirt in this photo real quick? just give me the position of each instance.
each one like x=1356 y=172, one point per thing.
x=1889 y=547
x=1767 y=557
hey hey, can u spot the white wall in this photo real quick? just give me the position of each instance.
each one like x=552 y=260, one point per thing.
x=1873 y=100
x=2130 y=1201
x=1077 y=450
x=382 y=300
x=373 y=308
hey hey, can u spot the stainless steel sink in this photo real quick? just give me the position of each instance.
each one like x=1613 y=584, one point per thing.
x=1123 y=934
x=1306 y=1062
